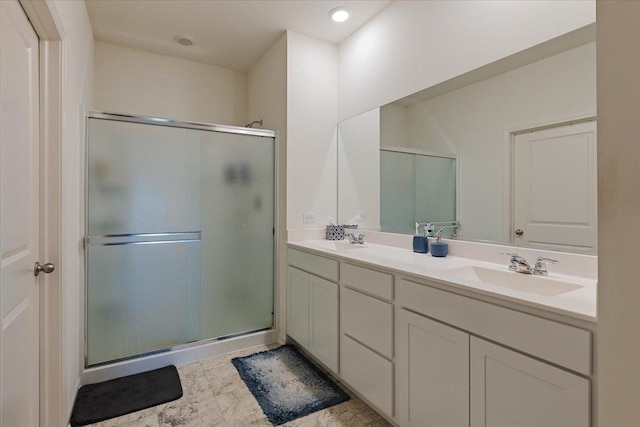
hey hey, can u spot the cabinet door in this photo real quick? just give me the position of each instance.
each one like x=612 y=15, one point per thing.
x=323 y=341
x=433 y=369
x=298 y=306
x=509 y=389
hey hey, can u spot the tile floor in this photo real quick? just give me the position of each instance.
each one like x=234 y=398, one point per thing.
x=214 y=395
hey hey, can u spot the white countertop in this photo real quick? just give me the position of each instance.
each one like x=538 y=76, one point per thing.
x=579 y=303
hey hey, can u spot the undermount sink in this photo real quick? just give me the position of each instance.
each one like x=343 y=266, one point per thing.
x=344 y=246
x=538 y=285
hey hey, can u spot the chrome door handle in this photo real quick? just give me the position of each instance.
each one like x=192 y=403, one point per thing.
x=519 y=232
x=47 y=268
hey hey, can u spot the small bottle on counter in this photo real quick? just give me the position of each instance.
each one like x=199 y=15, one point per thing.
x=420 y=244
x=439 y=248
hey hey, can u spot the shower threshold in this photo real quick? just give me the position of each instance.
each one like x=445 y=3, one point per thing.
x=177 y=355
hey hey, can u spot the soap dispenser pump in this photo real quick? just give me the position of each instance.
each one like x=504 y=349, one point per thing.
x=439 y=248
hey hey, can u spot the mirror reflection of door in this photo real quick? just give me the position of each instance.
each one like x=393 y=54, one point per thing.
x=554 y=193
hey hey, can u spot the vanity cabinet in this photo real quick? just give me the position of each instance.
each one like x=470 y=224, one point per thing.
x=446 y=370
x=510 y=389
x=448 y=378
x=312 y=307
x=433 y=373
x=425 y=355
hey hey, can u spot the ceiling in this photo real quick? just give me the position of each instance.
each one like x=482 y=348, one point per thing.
x=231 y=34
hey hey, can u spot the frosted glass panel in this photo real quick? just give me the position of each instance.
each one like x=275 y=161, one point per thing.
x=416 y=188
x=237 y=233
x=435 y=189
x=180 y=241
x=141 y=298
x=142 y=178
x=396 y=192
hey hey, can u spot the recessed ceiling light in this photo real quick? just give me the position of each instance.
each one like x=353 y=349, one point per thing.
x=184 y=39
x=339 y=14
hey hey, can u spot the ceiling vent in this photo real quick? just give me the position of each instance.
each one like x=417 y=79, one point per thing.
x=184 y=39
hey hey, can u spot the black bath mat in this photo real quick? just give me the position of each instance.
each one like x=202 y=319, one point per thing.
x=113 y=398
x=286 y=385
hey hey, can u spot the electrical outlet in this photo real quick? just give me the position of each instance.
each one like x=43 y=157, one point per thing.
x=309 y=218
x=363 y=217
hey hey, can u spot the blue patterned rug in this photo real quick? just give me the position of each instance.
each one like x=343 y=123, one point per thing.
x=286 y=385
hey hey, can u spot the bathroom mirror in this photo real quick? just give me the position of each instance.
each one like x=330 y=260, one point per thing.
x=506 y=153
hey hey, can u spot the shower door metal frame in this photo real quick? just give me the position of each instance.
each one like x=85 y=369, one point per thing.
x=150 y=238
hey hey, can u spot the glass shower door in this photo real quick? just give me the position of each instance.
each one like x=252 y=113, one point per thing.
x=237 y=233
x=179 y=241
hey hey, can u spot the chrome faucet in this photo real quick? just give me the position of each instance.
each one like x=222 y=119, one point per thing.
x=520 y=265
x=356 y=240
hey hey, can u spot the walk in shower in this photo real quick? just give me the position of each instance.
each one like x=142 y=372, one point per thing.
x=179 y=240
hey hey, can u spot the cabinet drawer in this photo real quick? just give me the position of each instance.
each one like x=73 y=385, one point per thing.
x=369 y=281
x=368 y=320
x=320 y=266
x=369 y=374
x=564 y=345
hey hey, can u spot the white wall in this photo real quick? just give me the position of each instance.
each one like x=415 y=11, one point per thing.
x=472 y=123
x=138 y=82
x=394 y=126
x=267 y=100
x=359 y=169
x=77 y=91
x=312 y=99
x=618 y=35
x=411 y=45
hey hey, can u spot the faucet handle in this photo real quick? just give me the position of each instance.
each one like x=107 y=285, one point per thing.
x=540 y=268
x=518 y=263
x=513 y=256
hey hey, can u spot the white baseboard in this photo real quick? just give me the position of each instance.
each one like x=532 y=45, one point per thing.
x=72 y=400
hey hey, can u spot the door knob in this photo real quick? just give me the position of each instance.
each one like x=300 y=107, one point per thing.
x=519 y=232
x=47 y=268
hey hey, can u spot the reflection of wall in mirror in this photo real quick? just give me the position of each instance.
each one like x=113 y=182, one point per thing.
x=359 y=170
x=472 y=121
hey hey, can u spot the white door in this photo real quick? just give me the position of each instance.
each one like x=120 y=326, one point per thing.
x=433 y=369
x=19 y=205
x=509 y=389
x=555 y=196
